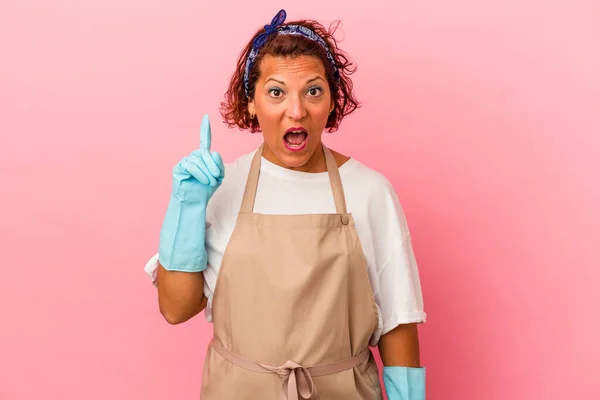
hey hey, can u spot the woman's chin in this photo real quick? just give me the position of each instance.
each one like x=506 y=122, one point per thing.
x=297 y=159
x=292 y=157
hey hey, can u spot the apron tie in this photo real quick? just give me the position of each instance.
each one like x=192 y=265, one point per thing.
x=295 y=379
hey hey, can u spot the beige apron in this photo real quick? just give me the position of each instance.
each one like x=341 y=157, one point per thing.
x=293 y=309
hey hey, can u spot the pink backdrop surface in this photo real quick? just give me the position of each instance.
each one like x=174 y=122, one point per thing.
x=484 y=115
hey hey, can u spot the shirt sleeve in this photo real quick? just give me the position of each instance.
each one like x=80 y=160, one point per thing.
x=398 y=285
x=151 y=267
x=400 y=289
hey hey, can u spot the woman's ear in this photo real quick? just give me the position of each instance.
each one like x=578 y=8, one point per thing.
x=251 y=109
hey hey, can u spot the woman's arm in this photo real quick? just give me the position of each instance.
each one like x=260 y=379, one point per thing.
x=400 y=347
x=180 y=281
x=403 y=376
x=180 y=294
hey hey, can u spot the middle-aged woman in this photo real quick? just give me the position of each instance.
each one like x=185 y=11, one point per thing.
x=302 y=258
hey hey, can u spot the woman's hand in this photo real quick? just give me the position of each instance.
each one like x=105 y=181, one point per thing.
x=195 y=179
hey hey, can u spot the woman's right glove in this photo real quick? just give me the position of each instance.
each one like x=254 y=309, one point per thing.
x=195 y=179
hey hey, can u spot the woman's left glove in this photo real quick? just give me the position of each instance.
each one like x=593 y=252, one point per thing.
x=404 y=383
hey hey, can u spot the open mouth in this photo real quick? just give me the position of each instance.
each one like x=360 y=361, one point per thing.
x=295 y=138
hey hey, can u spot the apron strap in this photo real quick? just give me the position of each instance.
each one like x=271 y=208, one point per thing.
x=336 y=182
x=332 y=169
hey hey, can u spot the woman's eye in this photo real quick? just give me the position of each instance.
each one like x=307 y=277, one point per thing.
x=275 y=92
x=314 y=91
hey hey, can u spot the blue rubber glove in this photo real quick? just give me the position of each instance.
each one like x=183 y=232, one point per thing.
x=195 y=179
x=404 y=383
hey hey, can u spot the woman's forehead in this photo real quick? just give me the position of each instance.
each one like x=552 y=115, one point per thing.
x=297 y=67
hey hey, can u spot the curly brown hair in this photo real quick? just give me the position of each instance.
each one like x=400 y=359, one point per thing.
x=235 y=107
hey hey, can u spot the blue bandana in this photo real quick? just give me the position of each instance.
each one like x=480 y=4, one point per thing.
x=276 y=27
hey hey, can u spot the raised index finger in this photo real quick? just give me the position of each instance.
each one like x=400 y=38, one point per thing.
x=205 y=135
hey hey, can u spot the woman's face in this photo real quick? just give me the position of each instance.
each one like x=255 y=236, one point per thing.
x=292 y=102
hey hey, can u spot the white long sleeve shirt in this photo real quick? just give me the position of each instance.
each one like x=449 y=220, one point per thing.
x=379 y=219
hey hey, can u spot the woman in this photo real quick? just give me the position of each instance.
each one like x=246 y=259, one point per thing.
x=314 y=260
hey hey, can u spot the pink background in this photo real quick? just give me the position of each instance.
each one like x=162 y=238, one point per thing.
x=484 y=115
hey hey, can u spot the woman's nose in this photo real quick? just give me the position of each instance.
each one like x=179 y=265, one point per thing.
x=296 y=109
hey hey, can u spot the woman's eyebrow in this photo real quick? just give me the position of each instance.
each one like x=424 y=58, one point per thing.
x=273 y=79
x=316 y=78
